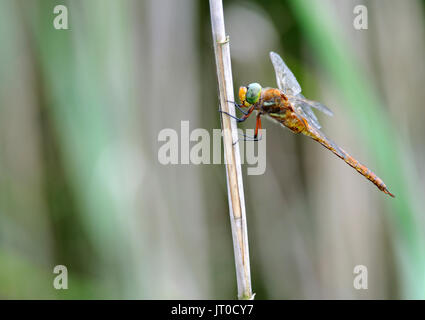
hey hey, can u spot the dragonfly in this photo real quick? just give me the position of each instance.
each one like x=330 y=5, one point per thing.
x=288 y=107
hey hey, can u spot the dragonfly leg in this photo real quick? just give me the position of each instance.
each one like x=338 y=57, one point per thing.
x=248 y=138
x=239 y=106
x=257 y=125
x=243 y=118
x=257 y=128
x=251 y=138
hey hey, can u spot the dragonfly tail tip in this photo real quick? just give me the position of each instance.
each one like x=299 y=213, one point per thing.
x=389 y=193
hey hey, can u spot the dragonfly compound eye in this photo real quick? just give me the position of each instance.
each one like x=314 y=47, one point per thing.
x=253 y=93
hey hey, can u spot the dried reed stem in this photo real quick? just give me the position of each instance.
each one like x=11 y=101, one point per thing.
x=231 y=153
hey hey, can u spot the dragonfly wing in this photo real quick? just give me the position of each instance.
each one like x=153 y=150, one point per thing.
x=314 y=104
x=304 y=108
x=285 y=79
x=287 y=82
x=320 y=107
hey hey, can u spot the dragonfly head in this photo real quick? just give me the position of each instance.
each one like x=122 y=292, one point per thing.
x=250 y=95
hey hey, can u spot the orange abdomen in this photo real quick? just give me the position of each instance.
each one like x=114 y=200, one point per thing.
x=341 y=153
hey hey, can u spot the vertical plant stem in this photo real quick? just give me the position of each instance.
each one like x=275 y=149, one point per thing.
x=231 y=152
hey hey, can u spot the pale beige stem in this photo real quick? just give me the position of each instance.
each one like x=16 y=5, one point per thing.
x=231 y=152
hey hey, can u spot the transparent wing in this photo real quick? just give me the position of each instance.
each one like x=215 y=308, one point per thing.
x=285 y=79
x=287 y=82
x=315 y=132
x=304 y=106
x=315 y=104
x=307 y=113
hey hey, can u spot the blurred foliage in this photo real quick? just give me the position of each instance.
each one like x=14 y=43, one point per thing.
x=80 y=182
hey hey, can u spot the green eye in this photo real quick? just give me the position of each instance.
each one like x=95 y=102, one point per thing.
x=253 y=93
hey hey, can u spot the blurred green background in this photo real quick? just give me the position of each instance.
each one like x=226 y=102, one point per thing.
x=80 y=181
